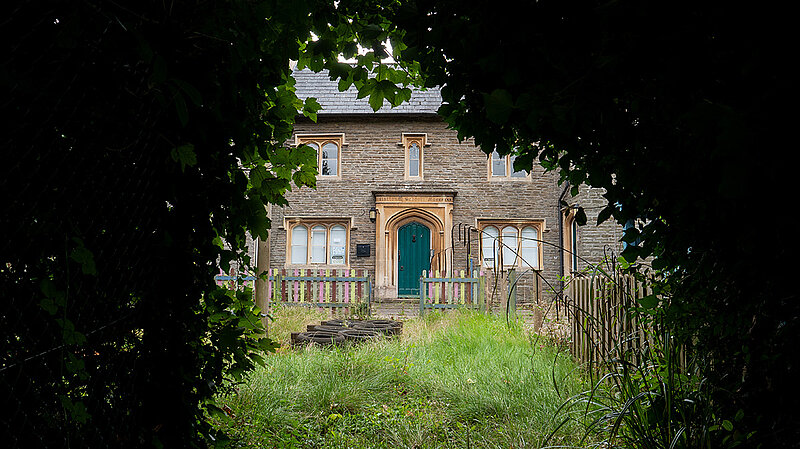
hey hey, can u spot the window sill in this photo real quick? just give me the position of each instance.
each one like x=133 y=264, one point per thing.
x=319 y=266
x=508 y=179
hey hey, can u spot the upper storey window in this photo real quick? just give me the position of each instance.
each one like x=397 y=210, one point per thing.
x=414 y=145
x=502 y=167
x=329 y=151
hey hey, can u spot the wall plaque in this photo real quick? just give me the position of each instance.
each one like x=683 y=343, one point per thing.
x=362 y=250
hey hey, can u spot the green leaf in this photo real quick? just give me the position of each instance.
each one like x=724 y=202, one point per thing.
x=659 y=263
x=345 y=84
x=49 y=306
x=258 y=175
x=189 y=90
x=310 y=108
x=185 y=155
x=499 y=105
x=580 y=216
x=85 y=258
x=217 y=241
x=727 y=425
x=649 y=301
x=605 y=214
x=376 y=100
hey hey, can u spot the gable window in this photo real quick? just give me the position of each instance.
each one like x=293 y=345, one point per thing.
x=329 y=149
x=314 y=242
x=414 y=145
x=508 y=244
x=502 y=168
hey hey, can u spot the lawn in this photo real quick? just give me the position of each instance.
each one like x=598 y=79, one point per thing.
x=456 y=380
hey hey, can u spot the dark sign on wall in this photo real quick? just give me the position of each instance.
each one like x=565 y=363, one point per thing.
x=362 y=250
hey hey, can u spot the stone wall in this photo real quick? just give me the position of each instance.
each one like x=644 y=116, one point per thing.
x=596 y=244
x=372 y=159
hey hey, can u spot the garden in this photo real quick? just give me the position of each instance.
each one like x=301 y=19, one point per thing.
x=458 y=379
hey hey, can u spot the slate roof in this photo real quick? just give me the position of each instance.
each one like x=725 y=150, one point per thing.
x=319 y=86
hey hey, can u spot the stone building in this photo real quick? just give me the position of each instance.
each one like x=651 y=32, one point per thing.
x=398 y=193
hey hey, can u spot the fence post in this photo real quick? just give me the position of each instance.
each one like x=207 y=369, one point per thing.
x=512 y=291
x=422 y=294
x=369 y=295
x=481 y=291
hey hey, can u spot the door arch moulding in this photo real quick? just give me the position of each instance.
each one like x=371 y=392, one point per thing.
x=395 y=209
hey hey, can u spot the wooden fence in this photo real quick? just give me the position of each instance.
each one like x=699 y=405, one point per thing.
x=333 y=289
x=233 y=282
x=436 y=292
x=603 y=324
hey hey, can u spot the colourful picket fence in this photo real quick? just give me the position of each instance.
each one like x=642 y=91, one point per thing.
x=436 y=292
x=327 y=288
x=235 y=282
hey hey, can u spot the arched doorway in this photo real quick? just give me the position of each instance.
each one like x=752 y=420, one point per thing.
x=434 y=212
x=413 y=256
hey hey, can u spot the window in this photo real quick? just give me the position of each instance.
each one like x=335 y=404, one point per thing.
x=502 y=168
x=570 y=242
x=510 y=244
x=329 y=149
x=414 y=145
x=318 y=242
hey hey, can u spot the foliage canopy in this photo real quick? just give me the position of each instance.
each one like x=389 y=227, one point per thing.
x=139 y=137
x=675 y=109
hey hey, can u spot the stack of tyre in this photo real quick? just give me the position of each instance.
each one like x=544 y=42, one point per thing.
x=334 y=332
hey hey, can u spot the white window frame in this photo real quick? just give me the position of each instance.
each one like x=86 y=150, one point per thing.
x=506 y=257
x=321 y=140
x=329 y=226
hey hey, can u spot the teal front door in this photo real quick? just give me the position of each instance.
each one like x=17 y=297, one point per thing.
x=413 y=256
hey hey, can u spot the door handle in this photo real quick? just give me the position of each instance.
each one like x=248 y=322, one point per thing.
x=401 y=268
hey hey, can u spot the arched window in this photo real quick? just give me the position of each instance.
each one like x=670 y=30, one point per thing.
x=510 y=247
x=329 y=161
x=338 y=251
x=328 y=148
x=319 y=243
x=413 y=160
x=498 y=164
x=517 y=242
x=413 y=144
x=529 y=247
x=490 y=246
x=299 y=244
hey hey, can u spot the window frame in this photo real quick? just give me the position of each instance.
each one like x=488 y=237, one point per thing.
x=320 y=140
x=310 y=224
x=501 y=251
x=508 y=161
x=408 y=139
x=570 y=243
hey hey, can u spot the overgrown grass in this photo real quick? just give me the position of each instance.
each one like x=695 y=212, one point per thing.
x=452 y=380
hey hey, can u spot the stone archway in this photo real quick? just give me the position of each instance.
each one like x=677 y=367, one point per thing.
x=433 y=210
